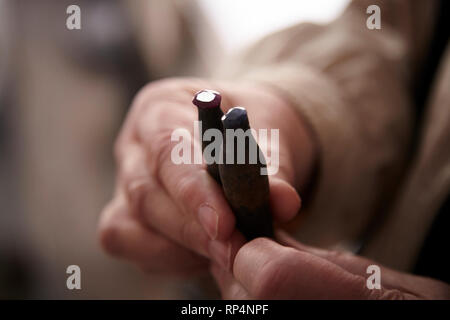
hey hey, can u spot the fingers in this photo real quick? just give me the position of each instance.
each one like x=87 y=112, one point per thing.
x=346 y=260
x=149 y=202
x=160 y=212
x=392 y=280
x=190 y=187
x=295 y=149
x=162 y=90
x=132 y=170
x=223 y=253
x=228 y=286
x=199 y=196
x=123 y=236
x=268 y=270
x=180 y=202
x=194 y=193
x=264 y=269
x=284 y=200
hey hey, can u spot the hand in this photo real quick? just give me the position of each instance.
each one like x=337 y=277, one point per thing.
x=170 y=218
x=264 y=269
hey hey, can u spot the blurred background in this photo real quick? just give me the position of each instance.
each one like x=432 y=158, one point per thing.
x=63 y=96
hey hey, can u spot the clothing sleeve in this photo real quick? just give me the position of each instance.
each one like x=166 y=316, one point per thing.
x=352 y=85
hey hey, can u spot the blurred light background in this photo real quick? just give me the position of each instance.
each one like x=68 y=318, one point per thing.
x=63 y=96
x=240 y=23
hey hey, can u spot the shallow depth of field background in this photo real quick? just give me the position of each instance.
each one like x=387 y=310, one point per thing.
x=63 y=96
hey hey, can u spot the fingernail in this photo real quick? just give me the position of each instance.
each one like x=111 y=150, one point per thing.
x=220 y=253
x=209 y=219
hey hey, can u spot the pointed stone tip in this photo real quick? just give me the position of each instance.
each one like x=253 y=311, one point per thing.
x=236 y=118
x=206 y=99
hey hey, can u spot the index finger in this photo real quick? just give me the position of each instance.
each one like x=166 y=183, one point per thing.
x=193 y=191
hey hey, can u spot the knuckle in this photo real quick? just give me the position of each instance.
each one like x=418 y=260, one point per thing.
x=186 y=189
x=186 y=234
x=152 y=89
x=164 y=87
x=159 y=114
x=384 y=294
x=159 y=151
x=192 y=237
x=160 y=143
x=339 y=255
x=109 y=237
x=154 y=260
x=149 y=208
x=135 y=191
x=148 y=213
x=109 y=228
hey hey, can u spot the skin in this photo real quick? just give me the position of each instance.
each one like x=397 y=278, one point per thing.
x=287 y=269
x=174 y=219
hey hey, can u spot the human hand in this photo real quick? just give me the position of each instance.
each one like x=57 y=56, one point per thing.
x=264 y=269
x=170 y=218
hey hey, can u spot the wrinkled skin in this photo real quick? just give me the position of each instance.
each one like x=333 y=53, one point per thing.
x=265 y=269
x=174 y=219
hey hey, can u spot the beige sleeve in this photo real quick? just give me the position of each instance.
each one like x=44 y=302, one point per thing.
x=352 y=85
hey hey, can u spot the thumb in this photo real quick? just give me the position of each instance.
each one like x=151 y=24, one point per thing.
x=284 y=200
x=268 y=270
